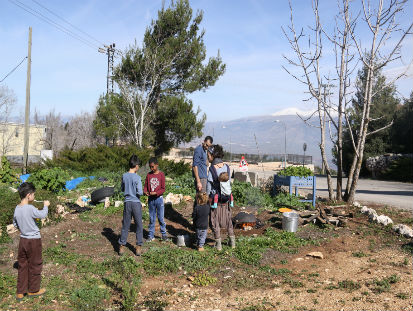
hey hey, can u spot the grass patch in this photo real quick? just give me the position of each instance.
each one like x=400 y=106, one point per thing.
x=155 y=300
x=249 y=250
x=59 y=254
x=166 y=259
x=402 y=296
x=7 y=284
x=89 y=296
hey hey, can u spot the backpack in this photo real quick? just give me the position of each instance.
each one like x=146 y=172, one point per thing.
x=223 y=188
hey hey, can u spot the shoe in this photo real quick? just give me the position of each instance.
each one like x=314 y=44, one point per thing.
x=215 y=205
x=232 y=241
x=138 y=250
x=201 y=249
x=19 y=297
x=150 y=239
x=121 y=252
x=165 y=238
x=231 y=204
x=38 y=293
x=218 y=245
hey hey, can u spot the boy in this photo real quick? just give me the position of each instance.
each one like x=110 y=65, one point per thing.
x=154 y=188
x=132 y=188
x=30 y=245
x=223 y=179
x=200 y=217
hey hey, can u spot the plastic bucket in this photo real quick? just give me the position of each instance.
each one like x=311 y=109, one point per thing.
x=290 y=221
x=182 y=240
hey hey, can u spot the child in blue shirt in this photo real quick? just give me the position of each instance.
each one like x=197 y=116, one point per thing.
x=132 y=188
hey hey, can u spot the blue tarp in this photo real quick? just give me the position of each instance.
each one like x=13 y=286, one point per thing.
x=70 y=184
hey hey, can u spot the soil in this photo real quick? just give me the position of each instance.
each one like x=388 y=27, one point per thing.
x=360 y=252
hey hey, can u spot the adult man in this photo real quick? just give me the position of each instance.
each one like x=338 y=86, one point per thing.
x=199 y=164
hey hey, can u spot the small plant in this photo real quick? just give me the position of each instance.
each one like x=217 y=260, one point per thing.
x=7 y=284
x=300 y=171
x=52 y=179
x=402 y=296
x=7 y=175
x=383 y=285
x=155 y=301
x=349 y=285
x=203 y=279
x=359 y=254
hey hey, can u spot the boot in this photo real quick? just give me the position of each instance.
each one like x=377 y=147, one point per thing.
x=232 y=241
x=138 y=250
x=218 y=245
x=121 y=251
x=38 y=293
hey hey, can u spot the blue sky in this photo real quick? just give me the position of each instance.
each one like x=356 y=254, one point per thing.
x=68 y=76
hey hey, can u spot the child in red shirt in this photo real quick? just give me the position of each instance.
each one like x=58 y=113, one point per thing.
x=154 y=188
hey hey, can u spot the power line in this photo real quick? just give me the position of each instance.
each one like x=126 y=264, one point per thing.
x=52 y=23
x=13 y=69
x=67 y=22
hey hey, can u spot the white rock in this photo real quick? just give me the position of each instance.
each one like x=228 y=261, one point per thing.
x=384 y=220
x=118 y=203
x=356 y=204
x=11 y=229
x=364 y=210
x=173 y=198
x=404 y=230
x=316 y=255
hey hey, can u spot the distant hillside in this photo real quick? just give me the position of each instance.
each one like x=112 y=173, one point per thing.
x=269 y=134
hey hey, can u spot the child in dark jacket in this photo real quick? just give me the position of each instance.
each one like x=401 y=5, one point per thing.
x=200 y=217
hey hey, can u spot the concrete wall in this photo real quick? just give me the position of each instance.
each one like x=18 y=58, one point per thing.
x=12 y=139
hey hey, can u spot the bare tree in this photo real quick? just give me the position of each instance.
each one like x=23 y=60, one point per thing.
x=80 y=131
x=308 y=60
x=7 y=104
x=382 y=22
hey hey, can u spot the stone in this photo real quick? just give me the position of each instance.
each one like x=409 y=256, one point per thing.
x=11 y=229
x=253 y=178
x=316 y=255
x=404 y=230
x=107 y=202
x=80 y=202
x=60 y=209
x=241 y=176
x=357 y=204
x=384 y=220
x=118 y=203
x=173 y=198
x=187 y=198
x=299 y=259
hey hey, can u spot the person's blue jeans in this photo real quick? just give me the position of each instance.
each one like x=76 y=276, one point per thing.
x=131 y=209
x=201 y=236
x=156 y=207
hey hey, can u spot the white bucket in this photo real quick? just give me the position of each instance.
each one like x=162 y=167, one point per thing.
x=290 y=221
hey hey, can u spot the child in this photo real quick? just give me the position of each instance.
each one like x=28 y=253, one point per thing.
x=132 y=188
x=225 y=183
x=30 y=246
x=200 y=217
x=154 y=188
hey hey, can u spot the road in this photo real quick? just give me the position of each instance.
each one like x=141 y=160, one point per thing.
x=389 y=193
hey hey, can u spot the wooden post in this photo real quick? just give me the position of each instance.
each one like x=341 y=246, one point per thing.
x=27 y=110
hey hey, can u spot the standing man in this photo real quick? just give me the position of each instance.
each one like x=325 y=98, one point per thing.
x=199 y=164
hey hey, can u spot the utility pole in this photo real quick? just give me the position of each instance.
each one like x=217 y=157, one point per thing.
x=109 y=51
x=27 y=110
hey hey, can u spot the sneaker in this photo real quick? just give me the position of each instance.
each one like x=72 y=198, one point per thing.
x=165 y=238
x=121 y=252
x=19 y=297
x=150 y=239
x=138 y=250
x=201 y=249
x=38 y=293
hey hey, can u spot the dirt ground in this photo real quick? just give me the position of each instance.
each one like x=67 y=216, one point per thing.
x=355 y=259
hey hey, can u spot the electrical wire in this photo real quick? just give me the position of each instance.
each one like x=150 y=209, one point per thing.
x=67 y=22
x=53 y=23
x=13 y=69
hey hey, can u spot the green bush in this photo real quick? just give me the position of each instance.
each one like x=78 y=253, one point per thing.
x=92 y=159
x=8 y=202
x=52 y=179
x=182 y=184
x=286 y=199
x=300 y=171
x=174 y=169
x=399 y=170
x=7 y=174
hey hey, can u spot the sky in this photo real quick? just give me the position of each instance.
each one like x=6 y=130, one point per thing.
x=68 y=76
